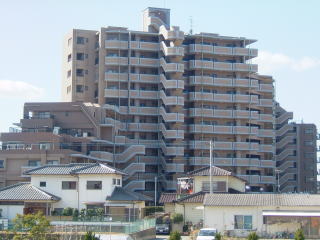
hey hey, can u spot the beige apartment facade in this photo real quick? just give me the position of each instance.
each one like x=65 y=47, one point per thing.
x=172 y=93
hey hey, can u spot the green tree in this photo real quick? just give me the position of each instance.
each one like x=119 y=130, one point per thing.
x=75 y=214
x=253 y=236
x=36 y=226
x=82 y=214
x=90 y=236
x=175 y=236
x=218 y=236
x=177 y=218
x=299 y=235
x=67 y=211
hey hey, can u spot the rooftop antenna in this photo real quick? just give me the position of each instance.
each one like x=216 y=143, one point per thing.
x=191 y=25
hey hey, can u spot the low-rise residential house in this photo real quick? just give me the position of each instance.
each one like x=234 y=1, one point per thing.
x=192 y=189
x=79 y=186
x=268 y=214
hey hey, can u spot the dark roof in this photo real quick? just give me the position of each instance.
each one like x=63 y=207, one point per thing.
x=25 y=191
x=215 y=171
x=168 y=197
x=120 y=194
x=262 y=200
x=74 y=168
x=192 y=198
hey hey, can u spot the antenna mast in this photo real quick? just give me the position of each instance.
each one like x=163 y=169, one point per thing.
x=191 y=25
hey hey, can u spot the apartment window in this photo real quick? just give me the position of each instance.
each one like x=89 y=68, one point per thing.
x=34 y=163
x=69 y=185
x=80 y=56
x=308 y=143
x=80 y=40
x=69 y=57
x=69 y=73
x=79 y=72
x=217 y=186
x=94 y=185
x=79 y=88
x=308 y=131
x=1 y=163
x=43 y=184
x=69 y=41
x=68 y=89
x=44 y=146
x=52 y=162
x=243 y=222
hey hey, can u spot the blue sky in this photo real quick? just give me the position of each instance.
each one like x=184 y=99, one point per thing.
x=32 y=31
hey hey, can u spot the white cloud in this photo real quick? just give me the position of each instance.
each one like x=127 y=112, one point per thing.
x=19 y=89
x=269 y=62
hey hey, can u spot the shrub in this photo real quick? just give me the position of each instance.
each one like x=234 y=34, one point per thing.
x=90 y=236
x=175 y=236
x=67 y=211
x=253 y=236
x=177 y=218
x=75 y=214
x=153 y=209
x=299 y=235
x=82 y=214
x=218 y=236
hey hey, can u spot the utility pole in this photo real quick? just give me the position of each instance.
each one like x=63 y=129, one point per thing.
x=155 y=191
x=210 y=170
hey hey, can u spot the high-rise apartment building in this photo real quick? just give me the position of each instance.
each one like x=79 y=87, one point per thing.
x=167 y=94
x=296 y=154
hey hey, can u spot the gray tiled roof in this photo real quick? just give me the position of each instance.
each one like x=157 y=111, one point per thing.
x=74 y=168
x=262 y=200
x=25 y=191
x=192 y=198
x=120 y=194
x=168 y=197
x=215 y=171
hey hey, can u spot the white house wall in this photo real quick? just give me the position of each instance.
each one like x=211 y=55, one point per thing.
x=11 y=211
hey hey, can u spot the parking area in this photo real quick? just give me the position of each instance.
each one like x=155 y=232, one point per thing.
x=164 y=237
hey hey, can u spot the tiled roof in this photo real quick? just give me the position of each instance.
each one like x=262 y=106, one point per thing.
x=24 y=192
x=192 y=198
x=215 y=171
x=74 y=168
x=168 y=197
x=262 y=200
x=120 y=194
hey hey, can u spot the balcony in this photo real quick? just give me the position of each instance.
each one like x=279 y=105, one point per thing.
x=171 y=51
x=171 y=67
x=266 y=148
x=171 y=151
x=266 y=102
x=222 y=129
x=224 y=82
x=110 y=60
x=173 y=33
x=171 y=134
x=217 y=97
x=266 y=88
x=174 y=167
x=215 y=113
x=171 y=100
x=37 y=123
x=171 y=84
x=116 y=44
x=222 y=66
x=266 y=133
x=147 y=62
x=219 y=50
x=171 y=117
x=266 y=118
x=148 y=46
x=224 y=145
x=137 y=94
x=124 y=77
x=257 y=179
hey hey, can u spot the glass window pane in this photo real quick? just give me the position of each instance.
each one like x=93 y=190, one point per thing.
x=238 y=222
x=247 y=222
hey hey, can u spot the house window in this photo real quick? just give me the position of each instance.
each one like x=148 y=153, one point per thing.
x=79 y=72
x=69 y=57
x=217 y=186
x=116 y=181
x=34 y=163
x=52 y=162
x=94 y=185
x=79 y=88
x=80 y=40
x=69 y=185
x=1 y=163
x=43 y=184
x=80 y=56
x=242 y=222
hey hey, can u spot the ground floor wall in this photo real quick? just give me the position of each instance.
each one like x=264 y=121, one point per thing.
x=11 y=211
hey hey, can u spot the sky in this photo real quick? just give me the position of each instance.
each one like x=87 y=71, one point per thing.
x=32 y=32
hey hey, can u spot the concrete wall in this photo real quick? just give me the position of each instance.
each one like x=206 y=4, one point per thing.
x=189 y=211
x=232 y=182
